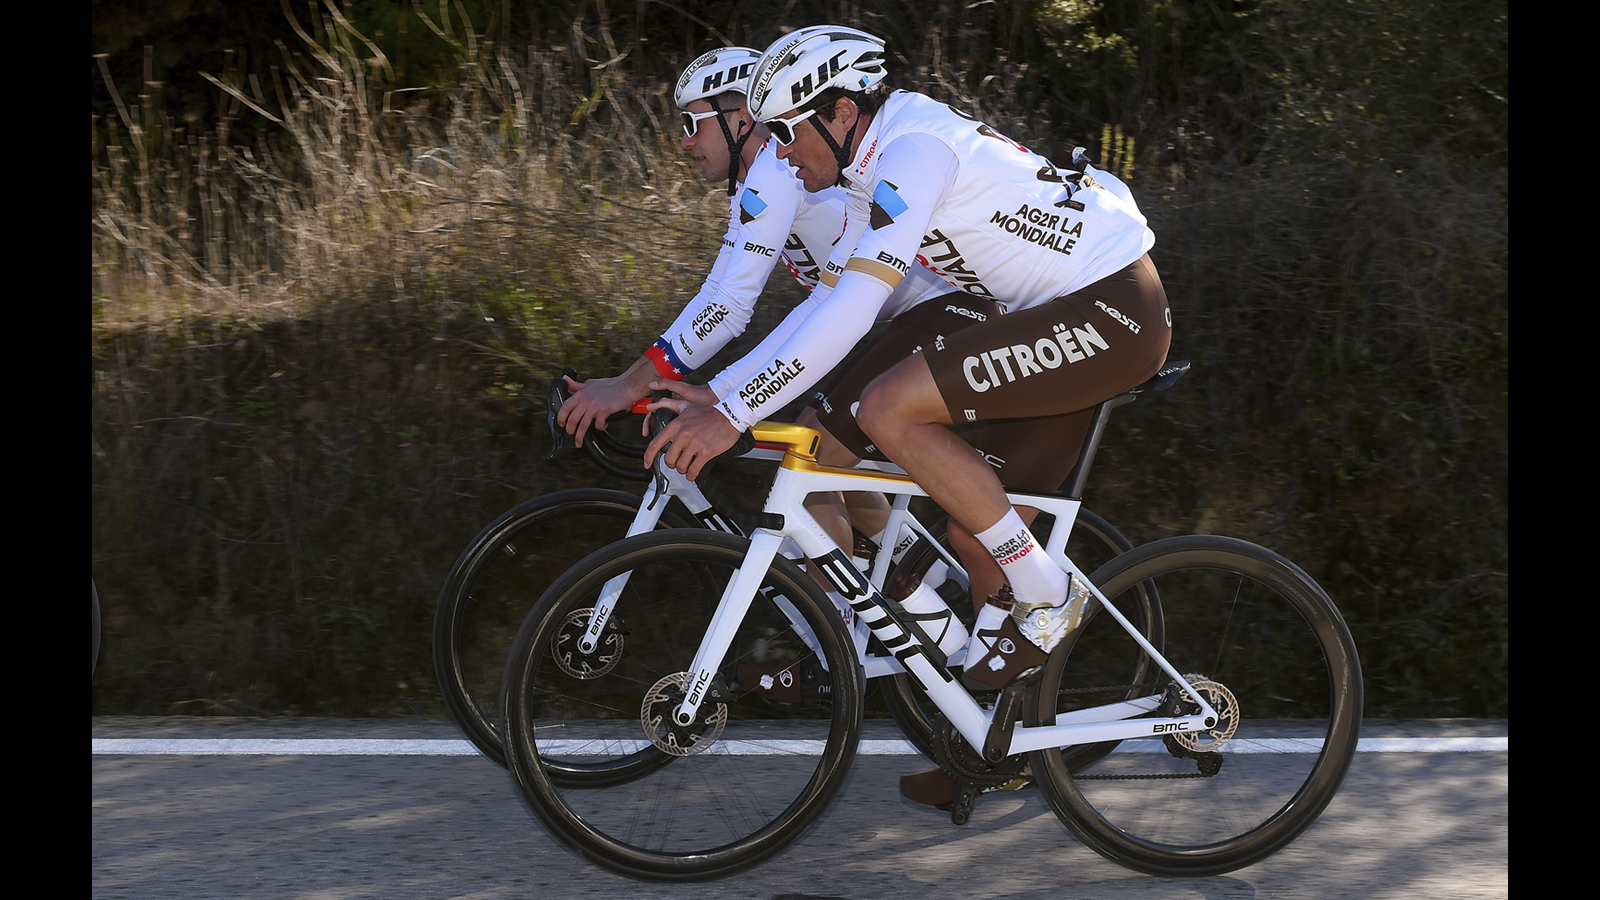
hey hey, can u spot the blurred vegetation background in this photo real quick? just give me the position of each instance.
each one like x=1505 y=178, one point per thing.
x=337 y=248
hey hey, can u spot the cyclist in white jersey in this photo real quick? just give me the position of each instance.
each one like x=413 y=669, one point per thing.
x=772 y=218
x=1062 y=251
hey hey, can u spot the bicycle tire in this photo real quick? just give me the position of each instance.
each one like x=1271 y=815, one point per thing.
x=653 y=814
x=1094 y=542
x=494 y=583
x=1243 y=617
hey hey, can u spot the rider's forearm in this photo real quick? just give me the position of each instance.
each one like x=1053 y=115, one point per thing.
x=707 y=324
x=635 y=382
x=757 y=235
x=741 y=371
x=841 y=319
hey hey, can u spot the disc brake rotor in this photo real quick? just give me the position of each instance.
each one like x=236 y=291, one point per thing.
x=1227 y=707
x=566 y=650
x=669 y=737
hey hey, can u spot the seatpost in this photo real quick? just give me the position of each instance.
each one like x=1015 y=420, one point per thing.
x=1091 y=444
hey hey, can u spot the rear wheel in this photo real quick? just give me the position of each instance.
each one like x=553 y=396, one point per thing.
x=1272 y=655
x=648 y=797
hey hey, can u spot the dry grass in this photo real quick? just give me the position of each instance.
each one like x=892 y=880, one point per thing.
x=406 y=198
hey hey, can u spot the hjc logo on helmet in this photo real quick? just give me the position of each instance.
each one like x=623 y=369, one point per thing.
x=805 y=87
x=732 y=76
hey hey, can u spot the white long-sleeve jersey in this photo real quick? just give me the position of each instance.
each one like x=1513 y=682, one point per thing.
x=772 y=217
x=932 y=186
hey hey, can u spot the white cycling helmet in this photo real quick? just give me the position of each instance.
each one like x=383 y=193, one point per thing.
x=708 y=77
x=804 y=63
x=795 y=71
x=717 y=72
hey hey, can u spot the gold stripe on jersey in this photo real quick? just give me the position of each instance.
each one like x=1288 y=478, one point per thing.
x=885 y=273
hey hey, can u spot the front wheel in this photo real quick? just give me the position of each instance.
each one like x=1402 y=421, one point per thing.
x=1273 y=656
x=496 y=581
x=647 y=797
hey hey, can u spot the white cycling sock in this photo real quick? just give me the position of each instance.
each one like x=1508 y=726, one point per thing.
x=1032 y=575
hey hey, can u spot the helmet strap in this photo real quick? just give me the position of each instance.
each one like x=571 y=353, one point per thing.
x=841 y=154
x=735 y=147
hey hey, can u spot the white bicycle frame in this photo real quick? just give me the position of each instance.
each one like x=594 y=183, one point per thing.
x=671 y=484
x=800 y=475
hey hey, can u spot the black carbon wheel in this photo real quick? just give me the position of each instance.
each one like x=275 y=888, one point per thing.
x=494 y=583
x=1282 y=672
x=649 y=798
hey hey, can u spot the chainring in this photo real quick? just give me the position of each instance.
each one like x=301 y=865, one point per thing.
x=966 y=765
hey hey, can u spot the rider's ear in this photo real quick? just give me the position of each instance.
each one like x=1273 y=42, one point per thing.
x=845 y=111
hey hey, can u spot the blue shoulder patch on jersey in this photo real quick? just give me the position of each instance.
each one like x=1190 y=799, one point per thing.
x=750 y=206
x=886 y=196
x=886 y=205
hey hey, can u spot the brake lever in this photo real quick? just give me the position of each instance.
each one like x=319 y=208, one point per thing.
x=658 y=420
x=554 y=400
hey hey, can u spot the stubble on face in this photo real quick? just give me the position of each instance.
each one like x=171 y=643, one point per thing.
x=811 y=157
x=707 y=146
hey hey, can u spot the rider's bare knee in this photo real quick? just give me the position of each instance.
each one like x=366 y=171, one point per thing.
x=876 y=414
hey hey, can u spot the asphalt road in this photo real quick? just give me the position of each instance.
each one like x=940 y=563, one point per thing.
x=1406 y=824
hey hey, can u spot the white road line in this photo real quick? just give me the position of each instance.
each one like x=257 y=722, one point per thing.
x=569 y=747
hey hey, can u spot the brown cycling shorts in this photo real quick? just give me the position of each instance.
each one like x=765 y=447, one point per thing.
x=1032 y=377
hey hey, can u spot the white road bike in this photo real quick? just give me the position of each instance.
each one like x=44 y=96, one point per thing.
x=1201 y=719
x=510 y=563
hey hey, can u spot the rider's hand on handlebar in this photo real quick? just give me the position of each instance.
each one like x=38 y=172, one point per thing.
x=694 y=438
x=698 y=394
x=593 y=400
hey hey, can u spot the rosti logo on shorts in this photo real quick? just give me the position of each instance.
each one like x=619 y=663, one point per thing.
x=1119 y=316
x=750 y=206
x=1070 y=345
x=960 y=311
x=886 y=205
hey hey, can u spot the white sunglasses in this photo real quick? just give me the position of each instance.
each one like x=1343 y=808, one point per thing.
x=783 y=129
x=692 y=120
